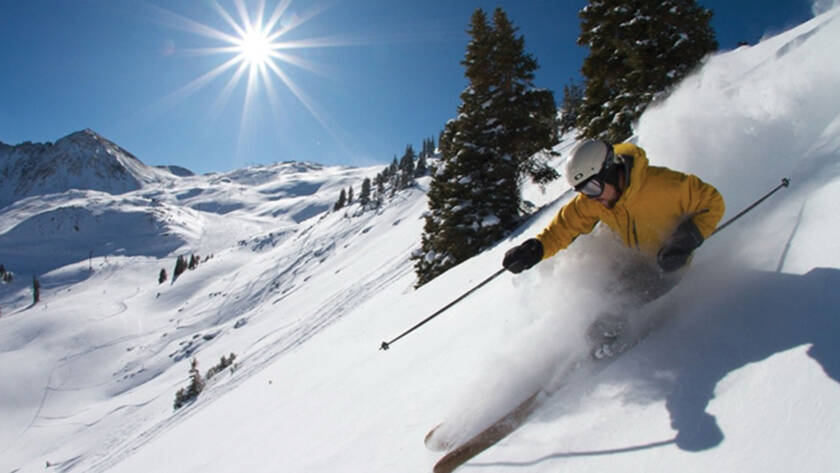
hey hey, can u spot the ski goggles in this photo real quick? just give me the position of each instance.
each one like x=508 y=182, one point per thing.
x=592 y=187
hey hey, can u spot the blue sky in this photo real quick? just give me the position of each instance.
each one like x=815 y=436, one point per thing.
x=376 y=75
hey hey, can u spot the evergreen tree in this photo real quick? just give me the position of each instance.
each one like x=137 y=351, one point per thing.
x=195 y=260
x=379 y=193
x=341 y=202
x=364 y=195
x=474 y=197
x=570 y=109
x=36 y=290
x=528 y=115
x=422 y=167
x=406 y=168
x=638 y=49
x=185 y=395
x=196 y=381
x=349 y=195
x=223 y=363
x=428 y=148
x=393 y=168
x=180 y=267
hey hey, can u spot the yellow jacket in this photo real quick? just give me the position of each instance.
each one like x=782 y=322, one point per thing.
x=654 y=202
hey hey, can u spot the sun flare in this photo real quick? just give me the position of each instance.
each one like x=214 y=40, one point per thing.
x=255 y=48
x=257 y=52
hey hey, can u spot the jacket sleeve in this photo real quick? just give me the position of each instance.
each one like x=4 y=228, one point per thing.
x=575 y=218
x=704 y=204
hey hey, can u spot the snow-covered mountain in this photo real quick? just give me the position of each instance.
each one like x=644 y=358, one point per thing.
x=97 y=200
x=81 y=160
x=743 y=375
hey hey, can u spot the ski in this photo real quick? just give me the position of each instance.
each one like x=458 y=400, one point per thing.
x=489 y=436
x=585 y=367
x=433 y=443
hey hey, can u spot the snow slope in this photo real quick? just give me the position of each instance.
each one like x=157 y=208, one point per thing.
x=743 y=374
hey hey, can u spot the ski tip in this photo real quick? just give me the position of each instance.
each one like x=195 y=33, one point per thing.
x=434 y=442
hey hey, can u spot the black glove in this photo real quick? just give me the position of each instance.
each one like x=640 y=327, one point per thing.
x=677 y=250
x=524 y=256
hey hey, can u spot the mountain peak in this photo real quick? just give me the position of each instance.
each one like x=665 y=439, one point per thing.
x=81 y=160
x=86 y=134
x=91 y=141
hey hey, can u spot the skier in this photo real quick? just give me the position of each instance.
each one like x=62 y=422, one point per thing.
x=664 y=214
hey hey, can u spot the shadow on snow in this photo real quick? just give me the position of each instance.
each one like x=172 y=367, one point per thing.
x=752 y=318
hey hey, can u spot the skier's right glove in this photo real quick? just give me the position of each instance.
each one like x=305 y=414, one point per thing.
x=524 y=256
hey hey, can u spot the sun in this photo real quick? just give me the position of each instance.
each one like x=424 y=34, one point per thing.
x=252 y=39
x=255 y=48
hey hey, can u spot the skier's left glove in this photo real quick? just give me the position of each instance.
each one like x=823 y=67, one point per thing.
x=524 y=256
x=677 y=250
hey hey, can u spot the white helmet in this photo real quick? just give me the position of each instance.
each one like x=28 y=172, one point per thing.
x=588 y=159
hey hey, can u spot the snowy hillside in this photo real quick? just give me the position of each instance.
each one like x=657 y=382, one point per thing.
x=742 y=375
x=194 y=213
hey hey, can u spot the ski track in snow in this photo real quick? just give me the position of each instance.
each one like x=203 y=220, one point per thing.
x=273 y=344
x=278 y=345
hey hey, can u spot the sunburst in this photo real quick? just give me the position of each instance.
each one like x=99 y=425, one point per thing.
x=255 y=48
x=255 y=52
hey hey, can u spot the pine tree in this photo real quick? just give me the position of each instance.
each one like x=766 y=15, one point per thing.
x=36 y=290
x=341 y=202
x=474 y=197
x=406 y=168
x=570 y=108
x=393 y=168
x=180 y=267
x=349 y=195
x=223 y=363
x=638 y=49
x=197 y=383
x=428 y=148
x=379 y=193
x=422 y=167
x=528 y=115
x=364 y=195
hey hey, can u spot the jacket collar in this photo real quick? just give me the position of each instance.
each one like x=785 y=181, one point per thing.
x=635 y=169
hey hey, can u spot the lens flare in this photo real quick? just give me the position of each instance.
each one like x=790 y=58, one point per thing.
x=255 y=49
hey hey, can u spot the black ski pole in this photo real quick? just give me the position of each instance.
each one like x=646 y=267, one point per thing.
x=785 y=183
x=387 y=345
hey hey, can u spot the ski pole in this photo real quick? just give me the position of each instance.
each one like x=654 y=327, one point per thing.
x=785 y=183
x=387 y=345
